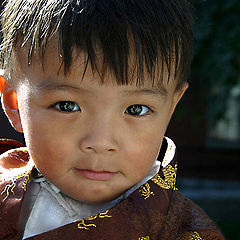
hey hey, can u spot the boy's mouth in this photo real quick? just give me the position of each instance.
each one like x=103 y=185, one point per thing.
x=95 y=175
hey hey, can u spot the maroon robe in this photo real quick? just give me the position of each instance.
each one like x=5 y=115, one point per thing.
x=156 y=210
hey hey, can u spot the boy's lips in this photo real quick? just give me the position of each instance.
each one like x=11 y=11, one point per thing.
x=95 y=175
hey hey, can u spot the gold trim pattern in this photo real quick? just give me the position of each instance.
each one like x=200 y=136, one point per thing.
x=189 y=236
x=11 y=186
x=26 y=180
x=83 y=225
x=144 y=238
x=169 y=173
x=146 y=191
x=104 y=215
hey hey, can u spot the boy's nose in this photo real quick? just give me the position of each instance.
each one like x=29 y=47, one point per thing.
x=100 y=138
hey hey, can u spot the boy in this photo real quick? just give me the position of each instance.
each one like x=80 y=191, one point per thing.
x=93 y=84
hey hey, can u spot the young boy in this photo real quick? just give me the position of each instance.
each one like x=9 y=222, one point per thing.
x=93 y=84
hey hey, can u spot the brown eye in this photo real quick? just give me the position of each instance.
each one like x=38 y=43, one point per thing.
x=137 y=110
x=67 y=106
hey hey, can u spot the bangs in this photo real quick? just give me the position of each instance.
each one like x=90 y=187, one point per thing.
x=156 y=34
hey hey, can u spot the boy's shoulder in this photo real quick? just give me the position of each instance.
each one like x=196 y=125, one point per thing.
x=9 y=144
x=190 y=220
x=15 y=168
x=15 y=165
x=14 y=157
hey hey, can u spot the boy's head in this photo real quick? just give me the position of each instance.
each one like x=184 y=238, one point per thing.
x=93 y=85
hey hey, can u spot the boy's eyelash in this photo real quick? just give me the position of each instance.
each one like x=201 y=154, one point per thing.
x=65 y=106
x=135 y=110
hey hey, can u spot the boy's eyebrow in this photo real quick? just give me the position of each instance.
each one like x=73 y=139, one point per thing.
x=159 y=92
x=54 y=85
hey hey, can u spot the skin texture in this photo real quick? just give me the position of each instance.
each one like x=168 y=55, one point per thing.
x=99 y=149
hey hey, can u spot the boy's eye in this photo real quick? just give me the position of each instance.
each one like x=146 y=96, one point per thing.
x=66 y=106
x=137 y=110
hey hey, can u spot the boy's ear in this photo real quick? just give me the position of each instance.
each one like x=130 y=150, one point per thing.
x=178 y=95
x=10 y=104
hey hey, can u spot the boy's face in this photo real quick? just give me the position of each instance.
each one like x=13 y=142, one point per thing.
x=92 y=141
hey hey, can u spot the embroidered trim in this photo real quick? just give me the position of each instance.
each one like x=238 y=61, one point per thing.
x=11 y=186
x=146 y=191
x=83 y=225
x=169 y=180
x=144 y=238
x=26 y=180
x=104 y=215
x=189 y=236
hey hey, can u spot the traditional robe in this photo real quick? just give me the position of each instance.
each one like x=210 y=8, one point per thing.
x=156 y=210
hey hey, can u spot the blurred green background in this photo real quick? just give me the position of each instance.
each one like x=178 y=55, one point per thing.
x=209 y=155
x=217 y=49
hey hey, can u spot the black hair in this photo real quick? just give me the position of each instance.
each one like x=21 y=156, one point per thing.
x=156 y=33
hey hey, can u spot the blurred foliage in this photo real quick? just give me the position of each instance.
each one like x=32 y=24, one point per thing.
x=217 y=49
x=230 y=230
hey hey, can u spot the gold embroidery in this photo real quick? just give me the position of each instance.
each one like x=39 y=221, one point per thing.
x=144 y=238
x=91 y=218
x=11 y=186
x=83 y=225
x=189 y=236
x=7 y=188
x=104 y=215
x=24 y=186
x=169 y=180
x=146 y=191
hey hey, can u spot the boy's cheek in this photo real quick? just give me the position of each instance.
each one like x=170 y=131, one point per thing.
x=143 y=153
x=51 y=158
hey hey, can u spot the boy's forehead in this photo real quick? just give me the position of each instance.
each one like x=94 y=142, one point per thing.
x=89 y=85
x=47 y=72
